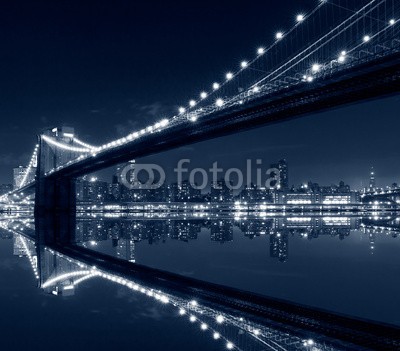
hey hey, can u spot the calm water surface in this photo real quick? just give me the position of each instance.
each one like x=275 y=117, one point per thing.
x=345 y=265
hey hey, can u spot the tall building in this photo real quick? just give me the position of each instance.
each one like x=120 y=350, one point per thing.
x=183 y=192
x=221 y=231
x=91 y=190
x=282 y=166
x=372 y=182
x=119 y=174
x=220 y=192
x=279 y=246
x=126 y=249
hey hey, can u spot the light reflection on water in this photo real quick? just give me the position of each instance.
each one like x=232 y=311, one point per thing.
x=338 y=263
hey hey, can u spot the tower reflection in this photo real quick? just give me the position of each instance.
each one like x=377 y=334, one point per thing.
x=239 y=320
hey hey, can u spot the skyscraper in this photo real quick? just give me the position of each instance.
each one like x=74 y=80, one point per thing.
x=372 y=182
x=282 y=166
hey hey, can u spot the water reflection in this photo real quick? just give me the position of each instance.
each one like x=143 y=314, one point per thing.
x=125 y=233
x=60 y=272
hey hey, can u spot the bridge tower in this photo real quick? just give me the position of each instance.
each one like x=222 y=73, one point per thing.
x=55 y=197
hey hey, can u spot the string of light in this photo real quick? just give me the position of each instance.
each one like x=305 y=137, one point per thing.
x=203 y=95
x=88 y=146
x=32 y=164
x=191 y=309
x=261 y=51
x=64 y=146
x=260 y=87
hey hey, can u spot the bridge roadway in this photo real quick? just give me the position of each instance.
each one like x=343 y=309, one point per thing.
x=333 y=329
x=373 y=79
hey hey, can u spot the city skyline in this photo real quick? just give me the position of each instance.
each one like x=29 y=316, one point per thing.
x=337 y=144
x=215 y=175
x=20 y=172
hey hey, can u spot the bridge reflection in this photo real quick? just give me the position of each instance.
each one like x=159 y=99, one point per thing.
x=239 y=319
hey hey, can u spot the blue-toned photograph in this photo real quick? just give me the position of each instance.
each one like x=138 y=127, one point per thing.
x=200 y=176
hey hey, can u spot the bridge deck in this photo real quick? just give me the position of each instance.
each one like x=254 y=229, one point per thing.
x=373 y=79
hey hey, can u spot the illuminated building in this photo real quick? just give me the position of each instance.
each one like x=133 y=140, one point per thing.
x=372 y=181
x=282 y=166
x=220 y=192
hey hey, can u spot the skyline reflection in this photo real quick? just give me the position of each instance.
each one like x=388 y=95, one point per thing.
x=63 y=273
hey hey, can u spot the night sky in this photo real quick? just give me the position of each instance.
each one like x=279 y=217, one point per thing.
x=107 y=68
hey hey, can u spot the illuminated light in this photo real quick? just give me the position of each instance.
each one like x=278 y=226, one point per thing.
x=260 y=51
x=181 y=110
x=193 y=118
x=244 y=64
x=310 y=79
x=192 y=103
x=279 y=35
x=164 y=122
x=229 y=345
x=315 y=67
x=256 y=332
x=300 y=18
x=182 y=311
x=193 y=303
x=164 y=299
x=204 y=326
x=310 y=342
x=341 y=59
x=220 y=319
x=343 y=53
x=203 y=94
x=63 y=146
x=192 y=318
x=219 y=102
x=216 y=336
x=215 y=86
x=366 y=38
x=392 y=22
x=64 y=277
x=256 y=89
x=229 y=75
